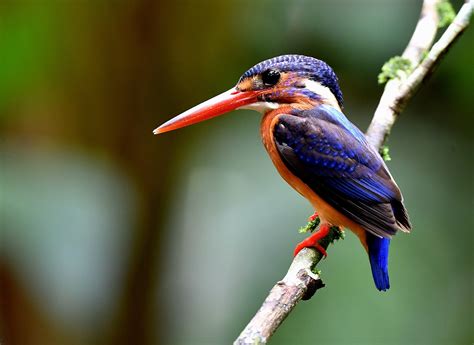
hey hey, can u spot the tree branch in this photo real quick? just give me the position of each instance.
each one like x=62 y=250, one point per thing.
x=300 y=282
x=398 y=92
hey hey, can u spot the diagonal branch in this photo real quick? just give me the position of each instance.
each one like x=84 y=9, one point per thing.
x=398 y=92
x=424 y=34
x=300 y=283
x=421 y=40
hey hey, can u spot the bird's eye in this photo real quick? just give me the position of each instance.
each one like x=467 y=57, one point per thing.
x=270 y=77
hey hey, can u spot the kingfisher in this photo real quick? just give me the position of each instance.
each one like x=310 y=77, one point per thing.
x=316 y=150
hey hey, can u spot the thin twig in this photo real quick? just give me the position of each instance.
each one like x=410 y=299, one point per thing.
x=386 y=113
x=300 y=283
x=424 y=34
x=398 y=92
x=439 y=49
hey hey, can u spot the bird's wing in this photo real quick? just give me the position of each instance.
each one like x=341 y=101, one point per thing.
x=329 y=154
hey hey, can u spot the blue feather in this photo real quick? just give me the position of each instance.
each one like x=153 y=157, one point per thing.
x=332 y=115
x=332 y=157
x=378 y=256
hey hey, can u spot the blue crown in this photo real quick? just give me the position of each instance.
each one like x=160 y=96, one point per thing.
x=309 y=67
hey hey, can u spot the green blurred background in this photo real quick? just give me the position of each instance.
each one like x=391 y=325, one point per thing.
x=110 y=235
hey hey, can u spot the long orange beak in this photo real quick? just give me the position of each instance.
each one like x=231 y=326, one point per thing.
x=216 y=106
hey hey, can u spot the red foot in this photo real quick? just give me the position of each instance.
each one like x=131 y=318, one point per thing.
x=313 y=217
x=312 y=241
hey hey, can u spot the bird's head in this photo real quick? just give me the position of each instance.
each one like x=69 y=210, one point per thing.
x=293 y=81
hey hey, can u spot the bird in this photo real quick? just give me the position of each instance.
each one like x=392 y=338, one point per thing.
x=317 y=151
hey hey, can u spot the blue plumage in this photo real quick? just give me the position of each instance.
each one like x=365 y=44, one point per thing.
x=378 y=256
x=332 y=156
x=304 y=66
x=334 y=116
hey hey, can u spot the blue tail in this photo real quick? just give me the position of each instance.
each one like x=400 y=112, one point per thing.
x=378 y=256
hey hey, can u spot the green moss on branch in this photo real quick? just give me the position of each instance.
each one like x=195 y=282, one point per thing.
x=446 y=13
x=335 y=233
x=394 y=68
x=385 y=153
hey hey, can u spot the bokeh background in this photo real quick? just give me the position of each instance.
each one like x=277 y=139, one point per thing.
x=110 y=235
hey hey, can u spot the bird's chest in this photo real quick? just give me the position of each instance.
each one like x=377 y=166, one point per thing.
x=325 y=211
x=269 y=121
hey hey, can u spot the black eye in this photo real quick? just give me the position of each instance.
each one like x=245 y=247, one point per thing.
x=270 y=77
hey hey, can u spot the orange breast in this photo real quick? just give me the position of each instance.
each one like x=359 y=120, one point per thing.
x=326 y=212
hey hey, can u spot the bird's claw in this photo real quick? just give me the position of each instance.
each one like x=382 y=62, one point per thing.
x=313 y=217
x=313 y=240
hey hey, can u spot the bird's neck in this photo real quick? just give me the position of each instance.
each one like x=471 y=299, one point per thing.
x=324 y=93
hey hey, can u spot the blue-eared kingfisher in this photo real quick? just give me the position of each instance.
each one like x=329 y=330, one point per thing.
x=317 y=150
